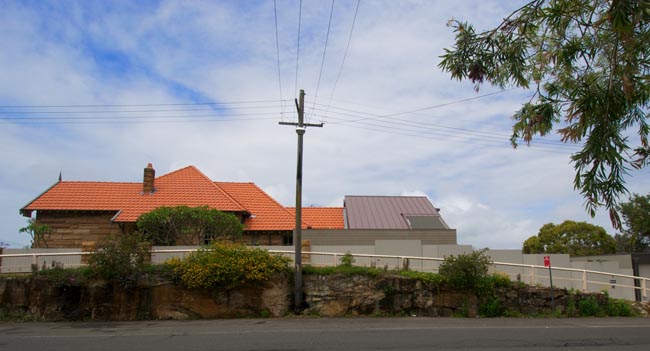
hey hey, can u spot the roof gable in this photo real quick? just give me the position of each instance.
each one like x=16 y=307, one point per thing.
x=266 y=213
x=186 y=186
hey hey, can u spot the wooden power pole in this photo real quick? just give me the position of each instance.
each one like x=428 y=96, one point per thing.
x=297 y=233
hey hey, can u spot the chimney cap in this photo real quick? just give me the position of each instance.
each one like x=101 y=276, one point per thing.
x=149 y=165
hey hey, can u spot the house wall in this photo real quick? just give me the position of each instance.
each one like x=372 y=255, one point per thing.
x=70 y=229
x=361 y=237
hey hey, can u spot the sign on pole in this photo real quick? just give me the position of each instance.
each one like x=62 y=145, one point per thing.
x=547 y=263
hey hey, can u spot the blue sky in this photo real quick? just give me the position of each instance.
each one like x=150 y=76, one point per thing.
x=172 y=55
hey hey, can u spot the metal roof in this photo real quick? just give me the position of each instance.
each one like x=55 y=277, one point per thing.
x=391 y=212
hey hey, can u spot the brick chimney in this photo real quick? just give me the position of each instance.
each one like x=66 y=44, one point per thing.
x=147 y=183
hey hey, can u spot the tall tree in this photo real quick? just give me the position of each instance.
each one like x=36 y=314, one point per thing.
x=636 y=225
x=588 y=62
x=573 y=238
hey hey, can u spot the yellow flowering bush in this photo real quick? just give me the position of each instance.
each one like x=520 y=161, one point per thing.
x=226 y=264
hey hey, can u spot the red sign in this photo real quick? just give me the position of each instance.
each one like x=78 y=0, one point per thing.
x=547 y=261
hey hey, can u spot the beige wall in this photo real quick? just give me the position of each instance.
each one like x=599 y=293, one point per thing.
x=357 y=237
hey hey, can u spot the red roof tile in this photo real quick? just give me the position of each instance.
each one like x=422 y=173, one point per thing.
x=322 y=217
x=186 y=186
x=266 y=213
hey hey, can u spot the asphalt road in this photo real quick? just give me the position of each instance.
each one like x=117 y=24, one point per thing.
x=333 y=334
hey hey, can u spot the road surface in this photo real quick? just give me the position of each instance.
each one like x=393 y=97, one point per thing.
x=295 y=333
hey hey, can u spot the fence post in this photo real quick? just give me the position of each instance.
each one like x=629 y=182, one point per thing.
x=87 y=246
x=532 y=275
x=336 y=260
x=306 y=247
x=34 y=263
x=584 y=280
x=644 y=292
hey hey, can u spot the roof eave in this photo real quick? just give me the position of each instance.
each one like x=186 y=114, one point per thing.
x=28 y=212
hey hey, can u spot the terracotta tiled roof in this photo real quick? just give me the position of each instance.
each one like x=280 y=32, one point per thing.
x=186 y=186
x=322 y=217
x=266 y=213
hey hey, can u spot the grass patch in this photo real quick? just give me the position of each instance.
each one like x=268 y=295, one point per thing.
x=425 y=277
x=66 y=276
x=343 y=269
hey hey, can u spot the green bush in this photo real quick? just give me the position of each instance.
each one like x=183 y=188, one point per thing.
x=167 y=225
x=465 y=271
x=588 y=307
x=347 y=260
x=121 y=261
x=619 y=308
x=491 y=308
x=226 y=264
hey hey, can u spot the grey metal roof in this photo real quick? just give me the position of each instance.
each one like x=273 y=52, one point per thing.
x=391 y=212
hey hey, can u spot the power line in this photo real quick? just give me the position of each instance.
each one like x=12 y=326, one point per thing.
x=430 y=136
x=277 y=48
x=112 y=121
x=322 y=63
x=130 y=117
x=140 y=105
x=375 y=116
x=298 y=49
x=424 y=129
x=345 y=54
x=392 y=120
x=135 y=111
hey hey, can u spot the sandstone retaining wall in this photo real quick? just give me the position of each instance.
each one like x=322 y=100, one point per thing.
x=325 y=295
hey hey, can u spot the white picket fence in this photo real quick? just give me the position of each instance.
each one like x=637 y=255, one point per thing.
x=17 y=261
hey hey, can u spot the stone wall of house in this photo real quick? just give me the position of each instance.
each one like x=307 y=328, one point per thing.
x=325 y=295
x=71 y=229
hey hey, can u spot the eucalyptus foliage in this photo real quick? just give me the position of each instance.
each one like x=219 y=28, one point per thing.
x=588 y=62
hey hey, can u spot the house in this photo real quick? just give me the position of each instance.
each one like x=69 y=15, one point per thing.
x=82 y=211
x=88 y=211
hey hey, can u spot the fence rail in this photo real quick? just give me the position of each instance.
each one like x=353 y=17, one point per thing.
x=535 y=274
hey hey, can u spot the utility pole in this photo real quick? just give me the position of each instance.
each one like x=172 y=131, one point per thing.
x=301 y=127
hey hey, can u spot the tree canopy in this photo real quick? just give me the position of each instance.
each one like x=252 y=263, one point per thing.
x=636 y=225
x=573 y=238
x=588 y=62
x=167 y=225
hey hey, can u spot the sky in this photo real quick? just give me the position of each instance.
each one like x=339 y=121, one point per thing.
x=94 y=90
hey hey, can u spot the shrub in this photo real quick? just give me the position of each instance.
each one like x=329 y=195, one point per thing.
x=347 y=260
x=121 y=261
x=491 y=308
x=226 y=264
x=588 y=307
x=167 y=225
x=619 y=308
x=465 y=271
